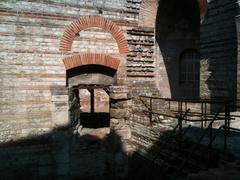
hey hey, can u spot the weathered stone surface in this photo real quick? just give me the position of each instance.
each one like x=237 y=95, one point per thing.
x=120 y=92
x=61 y=119
x=33 y=93
x=120 y=89
x=118 y=123
x=115 y=122
x=59 y=98
x=120 y=96
x=99 y=133
x=90 y=79
x=119 y=113
x=220 y=47
x=122 y=104
x=125 y=133
x=205 y=74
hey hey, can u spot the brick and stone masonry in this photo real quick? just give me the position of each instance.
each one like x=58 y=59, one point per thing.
x=41 y=40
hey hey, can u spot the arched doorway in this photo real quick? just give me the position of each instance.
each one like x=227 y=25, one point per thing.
x=90 y=85
x=178 y=29
x=90 y=74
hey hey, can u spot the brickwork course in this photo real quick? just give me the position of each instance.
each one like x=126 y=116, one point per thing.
x=134 y=47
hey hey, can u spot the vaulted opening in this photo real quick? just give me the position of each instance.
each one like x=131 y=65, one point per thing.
x=177 y=30
x=91 y=71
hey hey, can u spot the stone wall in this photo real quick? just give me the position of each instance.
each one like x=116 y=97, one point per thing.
x=34 y=96
x=34 y=133
x=218 y=44
x=177 y=31
x=31 y=64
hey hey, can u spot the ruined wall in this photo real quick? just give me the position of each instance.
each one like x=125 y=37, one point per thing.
x=217 y=43
x=177 y=31
x=218 y=46
x=34 y=98
x=31 y=64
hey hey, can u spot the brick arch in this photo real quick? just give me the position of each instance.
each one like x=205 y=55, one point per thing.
x=91 y=59
x=148 y=12
x=88 y=22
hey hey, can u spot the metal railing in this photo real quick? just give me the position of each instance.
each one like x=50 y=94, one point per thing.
x=197 y=145
x=182 y=112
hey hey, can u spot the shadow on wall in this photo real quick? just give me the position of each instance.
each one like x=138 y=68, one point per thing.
x=60 y=154
x=177 y=29
x=220 y=50
x=167 y=158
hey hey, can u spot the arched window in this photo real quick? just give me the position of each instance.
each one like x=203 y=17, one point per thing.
x=189 y=67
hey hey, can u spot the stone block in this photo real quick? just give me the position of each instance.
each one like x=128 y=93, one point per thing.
x=114 y=122
x=119 y=89
x=117 y=96
x=60 y=98
x=89 y=78
x=117 y=123
x=119 y=113
x=60 y=119
x=124 y=133
x=99 y=133
x=122 y=104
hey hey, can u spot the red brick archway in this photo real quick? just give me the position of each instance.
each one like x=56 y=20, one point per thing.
x=88 y=22
x=91 y=59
